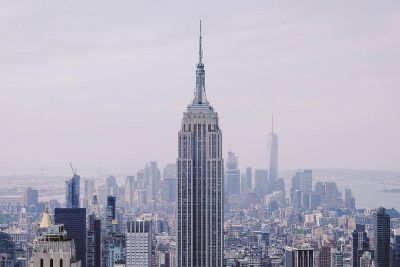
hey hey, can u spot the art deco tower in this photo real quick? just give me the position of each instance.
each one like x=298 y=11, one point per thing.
x=200 y=171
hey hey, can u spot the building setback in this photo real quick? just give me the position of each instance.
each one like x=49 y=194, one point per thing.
x=200 y=171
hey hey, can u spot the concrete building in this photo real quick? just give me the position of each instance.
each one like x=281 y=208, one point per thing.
x=138 y=244
x=200 y=167
x=54 y=249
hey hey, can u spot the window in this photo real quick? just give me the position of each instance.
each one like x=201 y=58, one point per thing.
x=41 y=262
x=51 y=262
x=61 y=263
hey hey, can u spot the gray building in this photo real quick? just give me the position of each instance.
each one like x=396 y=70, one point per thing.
x=200 y=182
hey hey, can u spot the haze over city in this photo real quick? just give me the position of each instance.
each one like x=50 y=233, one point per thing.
x=105 y=85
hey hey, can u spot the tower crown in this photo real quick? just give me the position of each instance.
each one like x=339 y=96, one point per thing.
x=200 y=100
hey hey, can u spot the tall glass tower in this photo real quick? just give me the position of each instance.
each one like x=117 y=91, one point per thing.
x=72 y=188
x=200 y=171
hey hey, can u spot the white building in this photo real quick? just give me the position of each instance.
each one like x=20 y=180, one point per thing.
x=138 y=244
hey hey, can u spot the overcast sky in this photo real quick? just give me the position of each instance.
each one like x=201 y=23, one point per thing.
x=105 y=83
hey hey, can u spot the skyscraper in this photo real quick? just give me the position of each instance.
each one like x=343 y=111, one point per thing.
x=138 y=244
x=395 y=248
x=273 y=159
x=169 y=182
x=72 y=191
x=261 y=182
x=94 y=242
x=31 y=199
x=89 y=190
x=382 y=238
x=232 y=175
x=360 y=243
x=200 y=181
x=74 y=221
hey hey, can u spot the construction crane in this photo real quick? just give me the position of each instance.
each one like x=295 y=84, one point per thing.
x=74 y=171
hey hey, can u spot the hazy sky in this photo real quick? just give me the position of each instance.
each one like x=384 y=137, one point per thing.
x=104 y=83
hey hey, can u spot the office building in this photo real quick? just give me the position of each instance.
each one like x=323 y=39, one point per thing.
x=94 y=242
x=74 y=221
x=200 y=168
x=138 y=244
x=395 y=248
x=381 y=238
x=360 y=243
x=295 y=257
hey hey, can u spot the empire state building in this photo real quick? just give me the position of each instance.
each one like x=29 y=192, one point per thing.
x=200 y=181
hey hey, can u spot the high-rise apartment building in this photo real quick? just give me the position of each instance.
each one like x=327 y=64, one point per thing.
x=74 y=221
x=200 y=182
x=232 y=175
x=138 y=244
x=381 y=238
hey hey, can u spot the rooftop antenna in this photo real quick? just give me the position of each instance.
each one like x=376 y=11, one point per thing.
x=74 y=171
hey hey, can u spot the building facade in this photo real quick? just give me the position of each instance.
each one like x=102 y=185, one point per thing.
x=200 y=171
x=74 y=221
x=138 y=244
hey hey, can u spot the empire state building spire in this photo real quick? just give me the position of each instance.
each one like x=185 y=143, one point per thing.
x=200 y=93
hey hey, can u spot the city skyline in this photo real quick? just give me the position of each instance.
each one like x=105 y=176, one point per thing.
x=101 y=96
